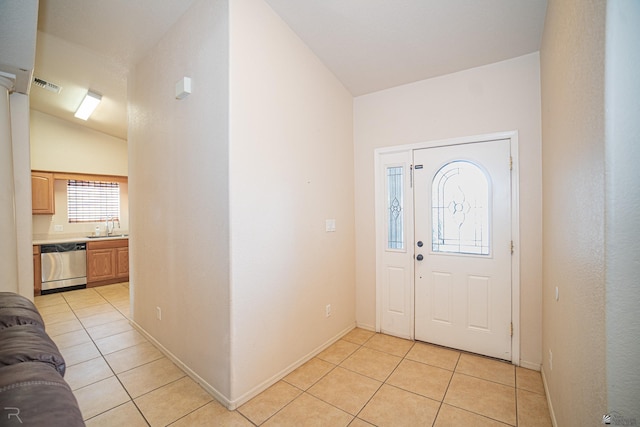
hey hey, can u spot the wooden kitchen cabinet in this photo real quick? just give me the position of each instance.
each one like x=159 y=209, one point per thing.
x=107 y=262
x=42 y=199
x=37 y=271
x=122 y=263
x=101 y=265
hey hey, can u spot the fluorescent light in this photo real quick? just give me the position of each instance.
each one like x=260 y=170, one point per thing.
x=88 y=104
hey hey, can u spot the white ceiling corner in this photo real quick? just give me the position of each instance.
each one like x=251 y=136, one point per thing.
x=372 y=45
x=369 y=45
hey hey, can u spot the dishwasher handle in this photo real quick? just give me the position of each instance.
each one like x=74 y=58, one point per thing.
x=63 y=247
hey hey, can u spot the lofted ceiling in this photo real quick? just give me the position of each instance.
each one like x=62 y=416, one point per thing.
x=369 y=45
x=91 y=44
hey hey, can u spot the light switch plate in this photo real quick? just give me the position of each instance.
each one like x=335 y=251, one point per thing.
x=183 y=88
x=330 y=225
x=58 y=228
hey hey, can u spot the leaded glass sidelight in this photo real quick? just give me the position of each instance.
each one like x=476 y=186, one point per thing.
x=395 y=207
x=460 y=202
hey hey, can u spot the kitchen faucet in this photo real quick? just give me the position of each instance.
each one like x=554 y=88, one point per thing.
x=109 y=229
x=106 y=226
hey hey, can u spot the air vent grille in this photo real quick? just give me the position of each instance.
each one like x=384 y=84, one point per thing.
x=51 y=87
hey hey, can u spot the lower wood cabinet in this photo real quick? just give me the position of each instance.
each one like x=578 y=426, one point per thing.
x=107 y=262
x=122 y=263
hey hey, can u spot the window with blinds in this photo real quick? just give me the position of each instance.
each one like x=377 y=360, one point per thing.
x=92 y=201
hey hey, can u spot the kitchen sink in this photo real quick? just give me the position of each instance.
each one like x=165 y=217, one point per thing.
x=111 y=236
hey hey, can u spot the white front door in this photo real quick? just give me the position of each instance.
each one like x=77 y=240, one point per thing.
x=462 y=202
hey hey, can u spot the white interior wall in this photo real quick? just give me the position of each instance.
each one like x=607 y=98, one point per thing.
x=291 y=168
x=62 y=146
x=22 y=184
x=179 y=192
x=622 y=213
x=573 y=119
x=499 y=97
x=8 y=226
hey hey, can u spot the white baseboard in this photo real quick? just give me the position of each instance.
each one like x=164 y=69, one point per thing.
x=546 y=392
x=286 y=371
x=208 y=387
x=233 y=404
x=366 y=327
x=530 y=365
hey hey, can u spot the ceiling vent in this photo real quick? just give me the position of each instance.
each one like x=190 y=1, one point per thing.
x=51 y=87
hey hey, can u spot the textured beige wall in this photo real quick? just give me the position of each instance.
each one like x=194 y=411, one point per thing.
x=59 y=145
x=229 y=192
x=291 y=168
x=622 y=213
x=22 y=184
x=179 y=199
x=572 y=78
x=504 y=96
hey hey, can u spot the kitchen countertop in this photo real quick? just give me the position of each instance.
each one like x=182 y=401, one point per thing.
x=50 y=240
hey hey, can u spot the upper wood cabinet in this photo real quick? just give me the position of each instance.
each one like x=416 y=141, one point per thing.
x=42 y=192
x=42 y=200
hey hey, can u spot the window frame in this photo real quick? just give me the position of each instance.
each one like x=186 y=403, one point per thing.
x=103 y=204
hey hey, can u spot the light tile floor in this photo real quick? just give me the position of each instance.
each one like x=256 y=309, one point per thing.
x=364 y=379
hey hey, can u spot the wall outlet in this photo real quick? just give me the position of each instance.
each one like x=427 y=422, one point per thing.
x=327 y=310
x=550 y=360
x=58 y=228
x=159 y=313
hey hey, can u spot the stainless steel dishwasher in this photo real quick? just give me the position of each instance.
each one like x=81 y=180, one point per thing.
x=64 y=267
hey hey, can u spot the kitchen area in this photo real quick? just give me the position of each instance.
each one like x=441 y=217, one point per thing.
x=46 y=77
x=70 y=254
x=79 y=241
x=78 y=166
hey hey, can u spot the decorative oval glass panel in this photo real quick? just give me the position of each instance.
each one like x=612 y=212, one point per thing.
x=460 y=204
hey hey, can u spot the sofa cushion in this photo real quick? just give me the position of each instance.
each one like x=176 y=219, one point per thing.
x=18 y=310
x=10 y=299
x=13 y=316
x=34 y=394
x=27 y=343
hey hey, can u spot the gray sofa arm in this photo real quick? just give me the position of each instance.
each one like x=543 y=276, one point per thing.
x=32 y=389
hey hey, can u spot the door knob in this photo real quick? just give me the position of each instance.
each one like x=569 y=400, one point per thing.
x=419 y=257
x=419 y=243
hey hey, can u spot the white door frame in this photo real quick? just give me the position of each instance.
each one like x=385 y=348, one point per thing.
x=406 y=152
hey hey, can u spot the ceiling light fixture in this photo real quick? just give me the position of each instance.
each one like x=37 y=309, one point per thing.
x=88 y=104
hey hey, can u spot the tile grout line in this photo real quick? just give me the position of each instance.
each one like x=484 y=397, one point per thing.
x=295 y=398
x=105 y=360
x=515 y=384
x=131 y=399
x=317 y=381
x=446 y=390
x=306 y=390
x=484 y=379
x=385 y=380
x=116 y=375
x=360 y=346
x=150 y=391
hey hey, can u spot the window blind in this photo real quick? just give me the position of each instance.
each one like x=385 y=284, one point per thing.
x=92 y=201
